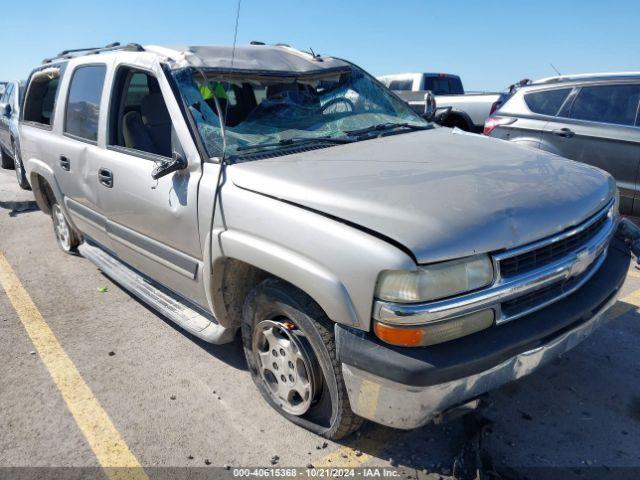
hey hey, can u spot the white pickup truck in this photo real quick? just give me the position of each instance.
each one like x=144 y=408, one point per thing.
x=467 y=111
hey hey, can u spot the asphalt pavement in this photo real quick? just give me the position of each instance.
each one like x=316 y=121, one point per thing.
x=177 y=402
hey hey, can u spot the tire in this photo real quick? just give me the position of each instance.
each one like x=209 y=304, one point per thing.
x=21 y=175
x=457 y=121
x=319 y=402
x=6 y=160
x=66 y=237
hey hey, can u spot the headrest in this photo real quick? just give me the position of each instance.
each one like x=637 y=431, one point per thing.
x=280 y=89
x=154 y=110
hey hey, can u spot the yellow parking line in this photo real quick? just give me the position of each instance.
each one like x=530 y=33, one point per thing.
x=625 y=304
x=633 y=272
x=105 y=441
x=353 y=455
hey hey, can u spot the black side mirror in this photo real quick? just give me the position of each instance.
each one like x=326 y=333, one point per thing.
x=6 y=110
x=177 y=162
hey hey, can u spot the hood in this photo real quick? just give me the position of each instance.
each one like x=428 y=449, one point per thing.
x=440 y=193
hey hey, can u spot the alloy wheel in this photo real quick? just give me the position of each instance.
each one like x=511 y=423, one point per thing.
x=61 y=227
x=286 y=365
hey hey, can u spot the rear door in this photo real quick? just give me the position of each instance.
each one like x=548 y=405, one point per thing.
x=75 y=163
x=598 y=127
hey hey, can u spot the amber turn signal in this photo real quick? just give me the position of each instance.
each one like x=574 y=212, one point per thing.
x=401 y=336
x=435 y=332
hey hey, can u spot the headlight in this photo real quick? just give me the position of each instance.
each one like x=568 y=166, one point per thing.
x=432 y=282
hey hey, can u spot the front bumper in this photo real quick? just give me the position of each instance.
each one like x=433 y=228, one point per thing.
x=408 y=387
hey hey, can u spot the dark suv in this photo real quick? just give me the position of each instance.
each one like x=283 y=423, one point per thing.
x=591 y=118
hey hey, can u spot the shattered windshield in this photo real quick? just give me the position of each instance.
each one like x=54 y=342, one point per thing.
x=272 y=112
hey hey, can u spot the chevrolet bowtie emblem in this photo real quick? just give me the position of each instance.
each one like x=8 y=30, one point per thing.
x=583 y=260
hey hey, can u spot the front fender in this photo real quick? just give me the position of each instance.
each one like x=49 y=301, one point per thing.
x=308 y=275
x=335 y=263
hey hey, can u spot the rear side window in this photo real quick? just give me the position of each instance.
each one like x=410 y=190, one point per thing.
x=547 y=102
x=41 y=97
x=444 y=85
x=6 y=96
x=138 y=89
x=83 y=102
x=617 y=104
x=401 y=85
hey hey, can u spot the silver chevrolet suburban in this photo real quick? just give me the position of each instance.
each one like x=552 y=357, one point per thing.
x=378 y=266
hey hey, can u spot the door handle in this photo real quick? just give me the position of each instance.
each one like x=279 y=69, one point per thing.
x=563 y=132
x=65 y=164
x=105 y=177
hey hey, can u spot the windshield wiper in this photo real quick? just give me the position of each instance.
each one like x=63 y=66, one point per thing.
x=380 y=127
x=294 y=141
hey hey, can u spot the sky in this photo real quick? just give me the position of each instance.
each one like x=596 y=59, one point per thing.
x=490 y=44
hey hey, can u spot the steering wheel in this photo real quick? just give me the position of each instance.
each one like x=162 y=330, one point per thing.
x=337 y=101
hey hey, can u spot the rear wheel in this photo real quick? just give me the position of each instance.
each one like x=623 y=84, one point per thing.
x=456 y=121
x=6 y=160
x=290 y=349
x=20 y=173
x=66 y=237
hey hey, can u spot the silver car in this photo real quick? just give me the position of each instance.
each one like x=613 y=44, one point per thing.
x=378 y=266
x=10 y=103
x=590 y=118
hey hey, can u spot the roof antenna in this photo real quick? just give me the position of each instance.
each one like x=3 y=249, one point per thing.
x=315 y=55
x=233 y=56
x=557 y=71
x=223 y=159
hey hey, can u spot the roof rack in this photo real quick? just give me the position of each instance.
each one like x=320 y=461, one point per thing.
x=589 y=77
x=78 y=52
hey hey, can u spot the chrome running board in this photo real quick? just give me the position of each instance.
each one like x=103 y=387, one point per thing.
x=165 y=302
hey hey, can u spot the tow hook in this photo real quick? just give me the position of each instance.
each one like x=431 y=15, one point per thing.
x=630 y=233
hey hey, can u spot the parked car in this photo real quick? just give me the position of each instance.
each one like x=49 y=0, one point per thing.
x=590 y=118
x=467 y=111
x=9 y=132
x=377 y=265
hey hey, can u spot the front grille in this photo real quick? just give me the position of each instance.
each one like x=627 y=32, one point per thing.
x=531 y=299
x=520 y=305
x=533 y=259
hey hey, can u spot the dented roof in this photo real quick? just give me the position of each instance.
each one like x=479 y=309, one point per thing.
x=255 y=58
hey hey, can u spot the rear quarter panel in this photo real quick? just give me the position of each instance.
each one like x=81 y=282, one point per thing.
x=528 y=128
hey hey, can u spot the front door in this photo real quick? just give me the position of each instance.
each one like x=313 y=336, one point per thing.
x=599 y=129
x=152 y=224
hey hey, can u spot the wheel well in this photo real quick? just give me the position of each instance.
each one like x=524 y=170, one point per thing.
x=236 y=280
x=233 y=285
x=43 y=193
x=455 y=119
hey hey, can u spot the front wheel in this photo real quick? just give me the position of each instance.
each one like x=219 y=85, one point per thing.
x=66 y=237
x=290 y=349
